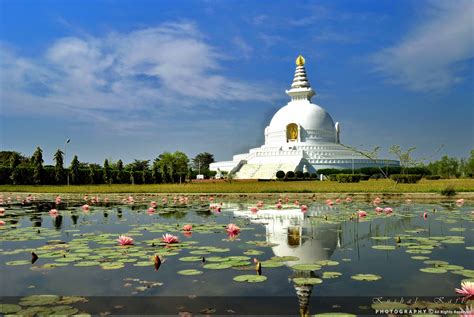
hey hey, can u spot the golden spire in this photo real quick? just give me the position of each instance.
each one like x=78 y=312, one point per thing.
x=300 y=60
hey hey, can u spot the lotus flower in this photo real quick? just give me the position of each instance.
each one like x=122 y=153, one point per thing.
x=150 y=210
x=153 y=204
x=338 y=201
x=124 y=240
x=86 y=197
x=85 y=207
x=260 y=204
x=169 y=238
x=388 y=210
x=2 y=211
x=2 y=223
x=232 y=229
x=425 y=215
x=57 y=200
x=378 y=209
x=468 y=312
x=304 y=208
x=348 y=199
x=279 y=205
x=361 y=213
x=253 y=210
x=460 y=202
x=329 y=202
x=187 y=227
x=297 y=202
x=467 y=289
x=377 y=201
x=53 y=213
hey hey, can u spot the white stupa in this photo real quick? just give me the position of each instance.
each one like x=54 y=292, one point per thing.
x=301 y=136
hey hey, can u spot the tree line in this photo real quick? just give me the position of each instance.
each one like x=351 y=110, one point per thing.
x=176 y=167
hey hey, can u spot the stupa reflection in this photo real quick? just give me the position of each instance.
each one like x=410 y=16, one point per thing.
x=294 y=234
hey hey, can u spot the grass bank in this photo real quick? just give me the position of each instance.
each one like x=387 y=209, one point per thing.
x=371 y=186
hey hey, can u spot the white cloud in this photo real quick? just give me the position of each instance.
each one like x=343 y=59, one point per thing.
x=137 y=76
x=432 y=55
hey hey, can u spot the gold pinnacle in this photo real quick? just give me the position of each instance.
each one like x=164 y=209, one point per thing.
x=300 y=60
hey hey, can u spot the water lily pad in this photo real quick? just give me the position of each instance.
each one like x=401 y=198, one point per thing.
x=307 y=280
x=253 y=252
x=287 y=258
x=190 y=272
x=112 y=266
x=380 y=238
x=39 y=300
x=384 y=247
x=270 y=264
x=9 y=308
x=366 y=277
x=19 y=262
x=190 y=258
x=435 y=270
x=306 y=267
x=87 y=263
x=420 y=257
x=436 y=262
x=250 y=278
x=216 y=259
x=327 y=275
x=64 y=310
x=451 y=267
x=217 y=266
x=327 y=263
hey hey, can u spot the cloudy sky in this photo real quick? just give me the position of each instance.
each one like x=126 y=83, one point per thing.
x=131 y=79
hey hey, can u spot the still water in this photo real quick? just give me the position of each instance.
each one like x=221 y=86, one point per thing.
x=327 y=254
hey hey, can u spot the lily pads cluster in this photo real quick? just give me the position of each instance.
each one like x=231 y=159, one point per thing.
x=44 y=305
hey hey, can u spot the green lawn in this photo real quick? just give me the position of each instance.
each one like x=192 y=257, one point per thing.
x=372 y=186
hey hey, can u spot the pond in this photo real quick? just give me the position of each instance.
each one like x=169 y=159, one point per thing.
x=281 y=258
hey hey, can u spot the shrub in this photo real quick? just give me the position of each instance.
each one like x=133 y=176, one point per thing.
x=306 y=175
x=448 y=191
x=406 y=178
x=290 y=175
x=299 y=174
x=314 y=175
x=332 y=177
x=433 y=177
x=348 y=178
x=280 y=174
x=329 y=171
x=364 y=177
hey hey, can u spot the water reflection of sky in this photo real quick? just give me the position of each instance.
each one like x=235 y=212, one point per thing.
x=347 y=242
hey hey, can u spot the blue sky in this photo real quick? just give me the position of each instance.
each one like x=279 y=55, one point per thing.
x=131 y=79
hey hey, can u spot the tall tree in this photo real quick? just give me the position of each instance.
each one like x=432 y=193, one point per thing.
x=181 y=163
x=119 y=168
x=92 y=173
x=15 y=173
x=403 y=156
x=37 y=159
x=58 y=167
x=74 y=169
x=165 y=163
x=107 y=178
x=202 y=161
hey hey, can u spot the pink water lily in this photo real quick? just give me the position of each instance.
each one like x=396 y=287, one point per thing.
x=329 y=202
x=2 y=223
x=124 y=240
x=361 y=213
x=232 y=229
x=253 y=210
x=378 y=209
x=153 y=204
x=279 y=206
x=2 y=211
x=377 y=201
x=388 y=210
x=460 y=202
x=297 y=202
x=260 y=204
x=304 y=208
x=425 y=215
x=53 y=213
x=57 y=201
x=467 y=289
x=348 y=199
x=187 y=227
x=150 y=210
x=169 y=238
x=467 y=312
x=338 y=201
x=85 y=207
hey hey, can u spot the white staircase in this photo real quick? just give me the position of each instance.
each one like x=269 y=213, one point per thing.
x=263 y=171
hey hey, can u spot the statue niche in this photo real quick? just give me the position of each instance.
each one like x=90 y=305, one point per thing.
x=292 y=132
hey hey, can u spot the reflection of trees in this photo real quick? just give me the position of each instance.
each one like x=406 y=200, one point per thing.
x=36 y=220
x=177 y=214
x=74 y=218
x=58 y=222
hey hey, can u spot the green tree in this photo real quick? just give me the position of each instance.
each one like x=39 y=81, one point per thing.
x=470 y=165
x=37 y=159
x=58 y=167
x=155 y=172
x=165 y=163
x=107 y=178
x=92 y=172
x=74 y=169
x=119 y=168
x=181 y=162
x=14 y=162
x=202 y=161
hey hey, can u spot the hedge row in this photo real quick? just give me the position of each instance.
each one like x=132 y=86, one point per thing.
x=406 y=178
x=295 y=175
x=370 y=171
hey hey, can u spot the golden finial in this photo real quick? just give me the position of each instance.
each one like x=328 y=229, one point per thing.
x=300 y=60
